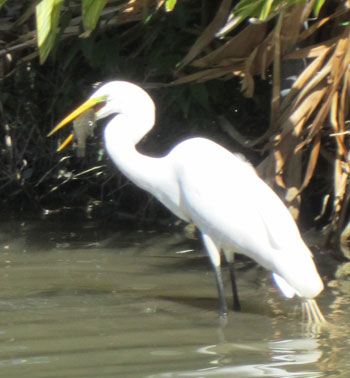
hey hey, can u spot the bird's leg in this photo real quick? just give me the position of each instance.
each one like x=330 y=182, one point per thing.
x=236 y=302
x=221 y=293
x=215 y=259
x=230 y=257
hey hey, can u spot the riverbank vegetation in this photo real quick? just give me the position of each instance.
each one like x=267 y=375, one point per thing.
x=269 y=79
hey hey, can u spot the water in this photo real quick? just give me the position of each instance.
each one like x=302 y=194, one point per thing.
x=80 y=299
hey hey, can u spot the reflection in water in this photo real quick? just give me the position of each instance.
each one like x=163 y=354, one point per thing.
x=289 y=358
x=287 y=355
x=85 y=301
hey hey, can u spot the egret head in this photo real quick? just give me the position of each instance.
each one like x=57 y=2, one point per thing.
x=121 y=97
x=115 y=97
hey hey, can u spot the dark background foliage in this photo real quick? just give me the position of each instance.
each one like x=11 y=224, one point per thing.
x=35 y=97
x=146 y=47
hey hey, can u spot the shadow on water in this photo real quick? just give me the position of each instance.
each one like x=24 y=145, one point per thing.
x=83 y=299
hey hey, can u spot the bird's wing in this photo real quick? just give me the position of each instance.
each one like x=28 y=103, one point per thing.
x=224 y=196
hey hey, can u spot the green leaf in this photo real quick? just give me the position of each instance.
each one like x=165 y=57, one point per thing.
x=43 y=20
x=91 y=10
x=262 y=9
x=247 y=9
x=318 y=6
x=266 y=9
x=2 y=2
x=47 y=18
x=170 y=5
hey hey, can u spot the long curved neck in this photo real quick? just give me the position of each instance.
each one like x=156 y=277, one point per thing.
x=121 y=137
x=155 y=175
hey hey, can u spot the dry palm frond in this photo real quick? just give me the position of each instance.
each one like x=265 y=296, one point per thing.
x=318 y=101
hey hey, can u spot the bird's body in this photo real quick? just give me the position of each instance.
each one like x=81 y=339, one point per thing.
x=203 y=183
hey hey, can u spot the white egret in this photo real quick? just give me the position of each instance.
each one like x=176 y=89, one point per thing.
x=204 y=183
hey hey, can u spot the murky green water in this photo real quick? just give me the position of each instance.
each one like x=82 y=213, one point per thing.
x=82 y=300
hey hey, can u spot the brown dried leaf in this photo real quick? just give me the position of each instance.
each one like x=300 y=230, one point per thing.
x=313 y=28
x=236 y=49
x=312 y=163
x=209 y=33
x=313 y=81
x=290 y=27
x=340 y=182
x=304 y=78
x=339 y=63
x=276 y=85
x=203 y=76
x=302 y=112
x=337 y=131
x=248 y=80
x=345 y=93
x=312 y=51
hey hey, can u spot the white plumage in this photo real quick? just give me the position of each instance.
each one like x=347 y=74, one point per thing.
x=204 y=183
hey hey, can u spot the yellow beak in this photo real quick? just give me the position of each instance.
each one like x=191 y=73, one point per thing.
x=90 y=103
